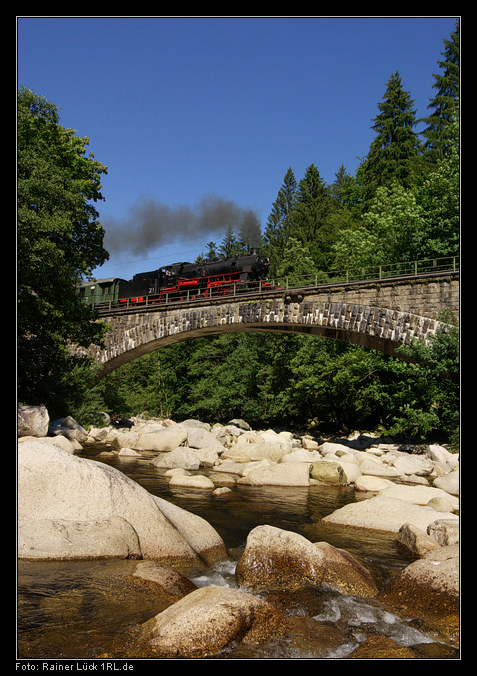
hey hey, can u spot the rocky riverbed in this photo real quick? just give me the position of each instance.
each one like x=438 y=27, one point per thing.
x=74 y=507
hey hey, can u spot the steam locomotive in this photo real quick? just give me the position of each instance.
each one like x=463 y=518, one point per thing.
x=182 y=281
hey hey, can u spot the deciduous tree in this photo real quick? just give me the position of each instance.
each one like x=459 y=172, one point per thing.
x=60 y=239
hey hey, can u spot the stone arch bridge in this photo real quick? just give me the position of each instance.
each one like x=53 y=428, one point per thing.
x=379 y=314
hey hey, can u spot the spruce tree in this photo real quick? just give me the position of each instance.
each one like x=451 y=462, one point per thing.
x=278 y=226
x=343 y=189
x=395 y=153
x=345 y=194
x=231 y=245
x=311 y=213
x=439 y=131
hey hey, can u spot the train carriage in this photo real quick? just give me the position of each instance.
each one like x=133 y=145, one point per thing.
x=100 y=291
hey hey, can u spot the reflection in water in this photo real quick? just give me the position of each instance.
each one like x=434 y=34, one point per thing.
x=77 y=609
x=71 y=608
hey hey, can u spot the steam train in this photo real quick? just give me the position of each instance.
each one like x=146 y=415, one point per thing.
x=181 y=281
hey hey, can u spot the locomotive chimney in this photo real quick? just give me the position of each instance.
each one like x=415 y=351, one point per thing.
x=254 y=251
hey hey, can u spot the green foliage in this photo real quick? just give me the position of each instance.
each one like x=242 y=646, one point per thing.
x=296 y=266
x=223 y=375
x=395 y=152
x=438 y=409
x=156 y=383
x=295 y=382
x=438 y=196
x=394 y=218
x=310 y=216
x=77 y=394
x=439 y=134
x=59 y=239
x=279 y=224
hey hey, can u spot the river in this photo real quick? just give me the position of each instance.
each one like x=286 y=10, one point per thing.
x=77 y=609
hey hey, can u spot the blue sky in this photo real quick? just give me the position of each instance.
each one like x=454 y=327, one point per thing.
x=182 y=109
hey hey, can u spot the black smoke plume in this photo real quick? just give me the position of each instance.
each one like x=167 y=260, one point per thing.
x=150 y=223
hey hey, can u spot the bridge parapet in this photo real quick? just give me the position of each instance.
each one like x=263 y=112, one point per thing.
x=426 y=295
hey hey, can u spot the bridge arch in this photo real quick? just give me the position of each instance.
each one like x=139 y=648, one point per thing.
x=135 y=333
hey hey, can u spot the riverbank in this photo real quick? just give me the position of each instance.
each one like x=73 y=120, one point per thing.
x=248 y=457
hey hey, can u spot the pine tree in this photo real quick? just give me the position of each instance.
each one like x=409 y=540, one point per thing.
x=439 y=132
x=395 y=153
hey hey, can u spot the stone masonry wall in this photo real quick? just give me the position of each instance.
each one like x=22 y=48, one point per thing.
x=426 y=298
x=380 y=316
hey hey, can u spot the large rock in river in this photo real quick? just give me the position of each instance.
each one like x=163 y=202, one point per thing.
x=200 y=438
x=181 y=457
x=429 y=589
x=383 y=513
x=69 y=428
x=331 y=473
x=270 y=450
x=70 y=498
x=278 y=474
x=151 y=438
x=60 y=539
x=276 y=559
x=345 y=573
x=419 y=495
x=449 y=482
x=208 y=620
x=166 y=439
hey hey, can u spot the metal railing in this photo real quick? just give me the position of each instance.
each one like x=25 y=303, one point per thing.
x=375 y=273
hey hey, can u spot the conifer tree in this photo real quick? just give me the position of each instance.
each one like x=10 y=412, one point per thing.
x=311 y=212
x=439 y=132
x=279 y=224
x=211 y=251
x=345 y=194
x=231 y=245
x=395 y=153
x=343 y=188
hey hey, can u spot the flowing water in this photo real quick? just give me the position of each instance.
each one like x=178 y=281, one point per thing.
x=77 y=609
